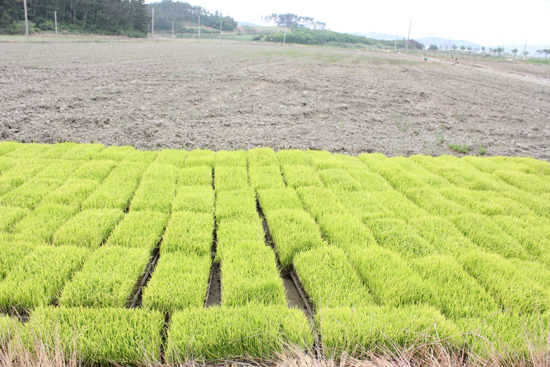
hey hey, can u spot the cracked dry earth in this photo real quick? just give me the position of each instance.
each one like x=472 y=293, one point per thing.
x=238 y=96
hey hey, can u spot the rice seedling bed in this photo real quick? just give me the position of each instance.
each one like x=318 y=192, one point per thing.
x=125 y=246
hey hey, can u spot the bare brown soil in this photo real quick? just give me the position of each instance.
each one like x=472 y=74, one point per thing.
x=228 y=96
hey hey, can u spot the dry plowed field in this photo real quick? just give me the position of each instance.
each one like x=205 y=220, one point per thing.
x=241 y=96
x=116 y=255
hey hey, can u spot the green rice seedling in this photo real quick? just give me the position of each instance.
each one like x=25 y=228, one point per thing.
x=488 y=235
x=319 y=160
x=195 y=176
x=339 y=180
x=537 y=204
x=6 y=163
x=9 y=146
x=230 y=178
x=141 y=229
x=369 y=181
x=509 y=287
x=398 y=236
x=545 y=196
x=160 y=172
x=422 y=173
x=277 y=199
x=250 y=275
x=541 y=224
x=301 y=176
x=357 y=331
x=534 y=270
x=200 y=157
x=523 y=164
x=94 y=170
x=172 y=156
x=114 y=153
x=348 y=161
x=40 y=225
x=11 y=253
x=235 y=158
x=140 y=156
x=57 y=150
x=33 y=150
x=329 y=279
x=293 y=231
x=88 y=228
x=127 y=172
x=9 y=215
x=292 y=157
x=236 y=205
x=399 y=177
x=30 y=193
x=528 y=182
x=107 y=278
x=9 y=328
x=483 y=164
x=38 y=278
x=389 y=278
x=262 y=157
x=101 y=336
x=25 y=169
x=59 y=169
x=83 y=152
x=398 y=203
x=189 y=233
x=154 y=196
x=527 y=235
x=473 y=180
x=226 y=333
x=433 y=202
x=458 y=294
x=345 y=231
x=485 y=202
x=112 y=194
x=370 y=158
x=365 y=204
x=444 y=237
x=72 y=192
x=198 y=199
x=266 y=177
x=180 y=281
x=233 y=231
x=10 y=183
x=320 y=201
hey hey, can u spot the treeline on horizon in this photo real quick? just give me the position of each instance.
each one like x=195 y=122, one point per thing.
x=185 y=17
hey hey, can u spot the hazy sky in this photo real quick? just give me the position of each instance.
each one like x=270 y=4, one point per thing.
x=486 y=22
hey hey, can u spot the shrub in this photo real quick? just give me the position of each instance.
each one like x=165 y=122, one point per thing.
x=38 y=278
x=139 y=230
x=180 y=281
x=189 y=233
x=293 y=232
x=195 y=176
x=301 y=176
x=39 y=226
x=260 y=331
x=83 y=152
x=107 y=279
x=329 y=279
x=88 y=228
x=119 y=336
x=198 y=199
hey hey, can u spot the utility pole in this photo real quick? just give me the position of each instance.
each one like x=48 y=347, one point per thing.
x=199 y=30
x=173 y=35
x=221 y=22
x=409 y=36
x=153 y=23
x=284 y=35
x=55 y=17
x=26 y=20
x=524 y=48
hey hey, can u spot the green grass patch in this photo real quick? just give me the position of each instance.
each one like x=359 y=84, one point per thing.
x=230 y=178
x=37 y=280
x=141 y=229
x=83 y=152
x=266 y=177
x=226 y=333
x=236 y=205
x=199 y=199
x=188 y=233
x=88 y=228
x=114 y=153
x=301 y=176
x=30 y=193
x=180 y=281
x=330 y=280
x=9 y=215
x=195 y=176
x=172 y=156
x=390 y=279
x=118 y=336
x=40 y=226
x=200 y=157
x=107 y=278
x=235 y=158
x=154 y=195
x=94 y=170
x=72 y=192
x=293 y=231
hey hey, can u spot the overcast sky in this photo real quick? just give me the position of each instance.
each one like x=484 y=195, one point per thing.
x=486 y=22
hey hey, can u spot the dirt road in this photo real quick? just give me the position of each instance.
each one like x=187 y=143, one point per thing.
x=230 y=96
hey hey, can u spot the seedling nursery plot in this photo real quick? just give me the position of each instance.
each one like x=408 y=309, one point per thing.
x=140 y=257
